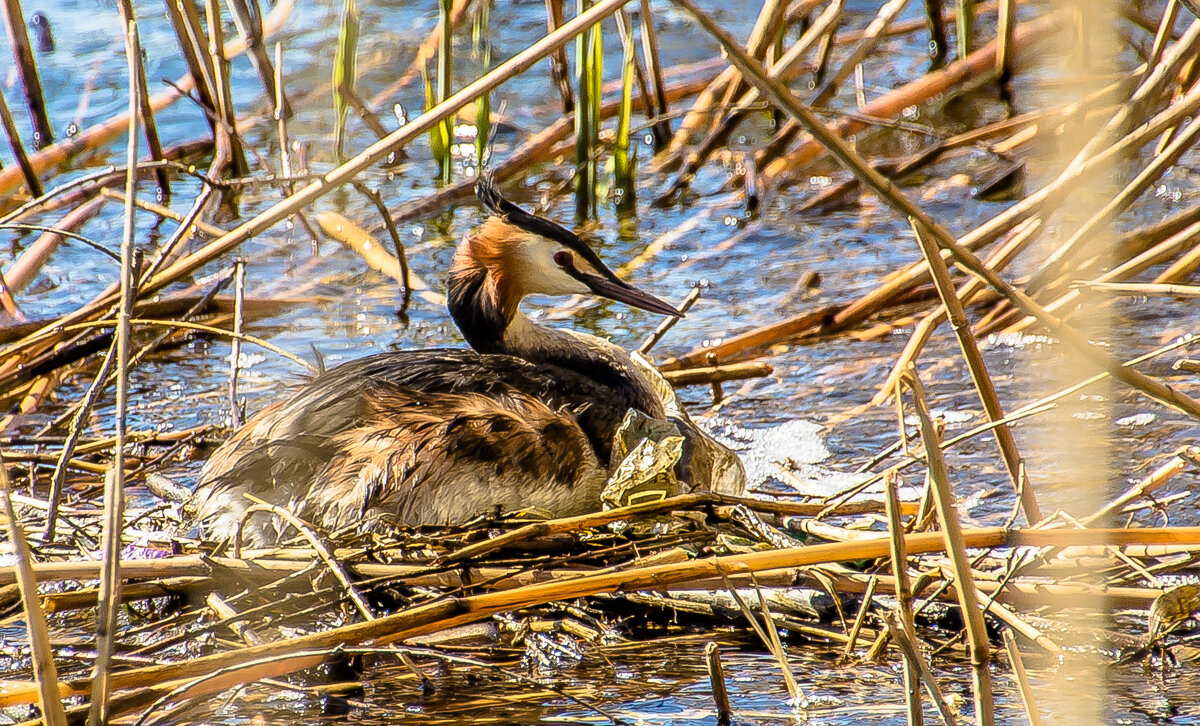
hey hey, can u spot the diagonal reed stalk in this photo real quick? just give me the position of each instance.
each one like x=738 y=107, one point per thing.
x=979 y=373
x=26 y=66
x=956 y=549
x=44 y=669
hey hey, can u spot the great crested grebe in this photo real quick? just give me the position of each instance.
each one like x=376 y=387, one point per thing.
x=436 y=436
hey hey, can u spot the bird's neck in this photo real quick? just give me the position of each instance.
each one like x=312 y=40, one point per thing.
x=491 y=322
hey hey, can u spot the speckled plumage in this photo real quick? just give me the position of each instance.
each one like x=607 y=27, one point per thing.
x=525 y=420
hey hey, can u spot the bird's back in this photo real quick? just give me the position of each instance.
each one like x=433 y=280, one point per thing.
x=427 y=437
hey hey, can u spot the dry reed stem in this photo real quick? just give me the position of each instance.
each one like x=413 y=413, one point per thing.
x=864 y=609
x=114 y=481
x=451 y=612
x=999 y=259
x=24 y=168
x=95 y=136
x=1183 y=458
x=1159 y=164
x=716 y=677
x=305 y=529
x=979 y=373
x=26 y=66
x=1141 y=289
x=904 y=596
x=912 y=656
x=717 y=374
x=888 y=192
x=956 y=549
x=44 y=671
x=205 y=228
x=1022 y=678
x=376 y=255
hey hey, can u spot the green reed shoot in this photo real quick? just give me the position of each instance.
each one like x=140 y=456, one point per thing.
x=344 y=72
x=445 y=67
x=439 y=136
x=966 y=26
x=483 y=105
x=624 y=158
x=589 y=69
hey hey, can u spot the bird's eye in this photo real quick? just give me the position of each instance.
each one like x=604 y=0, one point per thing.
x=562 y=258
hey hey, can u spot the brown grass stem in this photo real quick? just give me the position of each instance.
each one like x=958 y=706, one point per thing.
x=24 y=167
x=977 y=368
x=1022 y=679
x=716 y=677
x=114 y=483
x=26 y=65
x=45 y=672
x=904 y=596
x=912 y=656
x=956 y=549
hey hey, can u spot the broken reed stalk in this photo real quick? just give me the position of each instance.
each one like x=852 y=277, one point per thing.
x=114 y=482
x=864 y=609
x=956 y=549
x=912 y=655
x=31 y=84
x=44 y=670
x=1022 y=678
x=888 y=192
x=979 y=373
x=26 y=170
x=904 y=596
x=716 y=677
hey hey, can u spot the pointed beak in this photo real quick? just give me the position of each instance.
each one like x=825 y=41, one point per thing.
x=616 y=289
